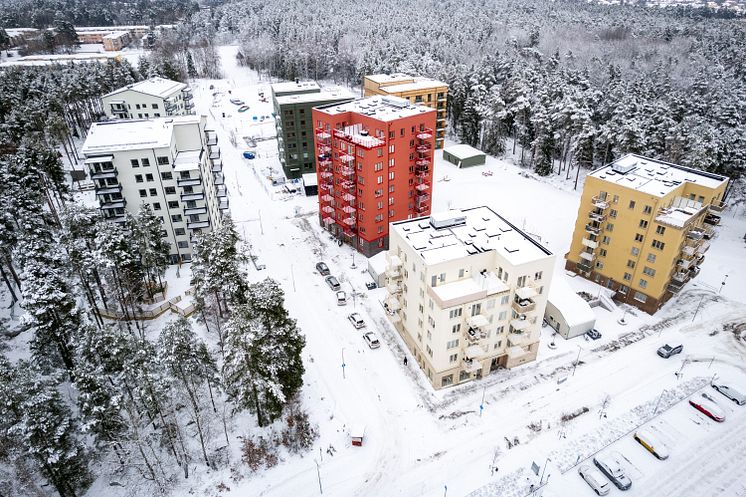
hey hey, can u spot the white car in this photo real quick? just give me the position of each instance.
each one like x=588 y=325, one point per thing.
x=372 y=340
x=594 y=479
x=647 y=439
x=356 y=320
x=612 y=468
x=731 y=393
x=341 y=298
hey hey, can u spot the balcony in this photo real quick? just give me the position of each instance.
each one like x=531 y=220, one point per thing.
x=421 y=208
x=685 y=264
x=214 y=152
x=224 y=204
x=189 y=105
x=187 y=96
x=346 y=158
x=600 y=203
x=680 y=277
x=194 y=225
x=391 y=305
x=688 y=250
x=588 y=256
x=584 y=267
x=592 y=229
x=473 y=351
x=222 y=191
x=712 y=219
x=704 y=247
x=211 y=138
x=695 y=234
x=108 y=190
x=393 y=272
x=186 y=197
x=523 y=306
x=471 y=366
x=115 y=219
x=717 y=207
x=478 y=322
x=393 y=288
x=520 y=324
x=219 y=179
x=104 y=174
x=113 y=204
x=322 y=134
x=192 y=211
x=598 y=217
x=474 y=335
x=589 y=243
x=217 y=166
x=518 y=339
x=189 y=182
x=425 y=134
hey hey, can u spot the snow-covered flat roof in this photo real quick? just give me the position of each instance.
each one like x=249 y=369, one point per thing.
x=463 y=151
x=324 y=96
x=133 y=134
x=44 y=60
x=187 y=160
x=310 y=179
x=381 y=108
x=390 y=78
x=419 y=84
x=292 y=86
x=653 y=176
x=157 y=87
x=116 y=34
x=573 y=308
x=483 y=230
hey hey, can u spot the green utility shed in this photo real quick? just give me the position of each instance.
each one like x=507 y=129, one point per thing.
x=464 y=155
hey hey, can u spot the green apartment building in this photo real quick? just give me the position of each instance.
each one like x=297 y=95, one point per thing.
x=293 y=103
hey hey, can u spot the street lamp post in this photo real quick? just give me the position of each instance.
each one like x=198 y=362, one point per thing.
x=576 y=360
x=722 y=284
x=541 y=480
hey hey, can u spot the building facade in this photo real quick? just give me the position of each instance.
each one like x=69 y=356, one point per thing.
x=116 y=41
x=293 y=103
x=172 y=164
x=466 y=291
x=421 y=91
x=374 y=166
x=643 y=226
x=154 y=97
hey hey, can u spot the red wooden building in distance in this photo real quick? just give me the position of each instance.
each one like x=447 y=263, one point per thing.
x=374 y=163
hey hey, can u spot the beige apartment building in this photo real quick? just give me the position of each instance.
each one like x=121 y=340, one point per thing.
x=421 y=91
x=643 y=227
x=467 y=292
x=154 y=97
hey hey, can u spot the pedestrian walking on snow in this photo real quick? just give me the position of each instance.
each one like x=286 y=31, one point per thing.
x=405 y=360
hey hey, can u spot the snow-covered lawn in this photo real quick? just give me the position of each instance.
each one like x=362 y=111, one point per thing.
x=420 y=442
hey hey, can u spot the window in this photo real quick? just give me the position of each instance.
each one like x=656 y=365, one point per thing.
x=627 y=277
x=651 y=257
x=502 y=315
x=391 y=149
x=176 y=218
x=505 y=299
x=453 y=358
x=631 y=204
x=138 y=178
x=156 y=206
x=643 y=223
x=148 y=177
x=429 y=351
x=378 y=166
x=623 y=289
x=638 y=237
x=155 y=106
x=635 y=251
x=179 y=231
x=135 y=162
x=170 y=190
x=476 y=309
x=609 y=227
x=379 y=180
x=643 y=283
x=163 y=161
x=630 y=264
x=145 y=162
x=602 y=252
x=647 y=209
x=640 y=297
x=167 y=176
x=391 y=175
x=648 y=271
x=460 y=273
x=391 y=162
x=452 y=344
x=455 y=313
x=657 y=244
x=173 y=204
x=615 y=199
x=660 y=229
x=606 y=240
x=182 y=244
x=599 y=264
x=612 y=213
x=456 y=328
x=143 y=193
x=153 y=192
x=447 y=379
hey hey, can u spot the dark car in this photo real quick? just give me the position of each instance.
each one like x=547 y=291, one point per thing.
x=322 y=268
x=332 y=282
x=669 y=350
x=594 y=334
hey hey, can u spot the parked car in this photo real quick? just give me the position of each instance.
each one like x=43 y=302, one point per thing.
x=341 y=298
x=243 y=108
x=356 y=320
x=707 y=406
x=371 y=285
x=237 y=101
x=731 y=393
x=594 y=334
x=332 y=282
x=371 y=339
x=249 y=155
x=594 y=479
x=612 y=468
x=668 y=350
x=323 y=269
x=651 y=443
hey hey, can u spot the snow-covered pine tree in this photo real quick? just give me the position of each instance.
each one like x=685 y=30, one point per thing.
x=146 y=231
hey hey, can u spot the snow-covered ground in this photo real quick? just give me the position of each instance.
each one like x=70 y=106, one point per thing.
x=420 y=442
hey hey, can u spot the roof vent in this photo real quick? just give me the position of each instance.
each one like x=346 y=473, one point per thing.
x=623 y=167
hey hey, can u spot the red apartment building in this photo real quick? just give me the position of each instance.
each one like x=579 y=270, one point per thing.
x=374 y=164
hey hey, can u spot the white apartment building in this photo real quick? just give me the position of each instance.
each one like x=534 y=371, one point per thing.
x=173 y=164
x=154 y=97
x=466 y=291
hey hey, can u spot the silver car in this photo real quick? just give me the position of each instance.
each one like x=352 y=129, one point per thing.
x=613 y=470
x=731 y=393
x=594 y=479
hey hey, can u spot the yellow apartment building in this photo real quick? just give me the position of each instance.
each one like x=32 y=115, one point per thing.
x=422 y=91
x=643 y=228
